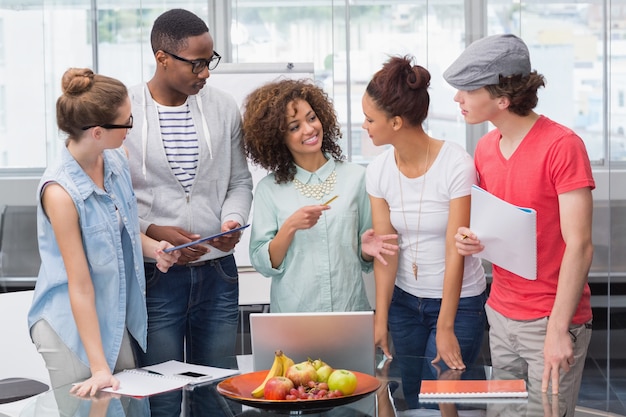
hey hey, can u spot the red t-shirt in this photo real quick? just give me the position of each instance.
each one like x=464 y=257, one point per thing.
x=549 y=161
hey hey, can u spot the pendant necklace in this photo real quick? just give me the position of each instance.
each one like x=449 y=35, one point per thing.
x=419 y=210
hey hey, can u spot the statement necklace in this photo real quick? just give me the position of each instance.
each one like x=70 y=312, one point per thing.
x=419 y=210
x=317 y=191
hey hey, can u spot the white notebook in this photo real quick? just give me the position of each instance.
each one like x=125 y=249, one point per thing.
x=166 y=376
x=508 y=232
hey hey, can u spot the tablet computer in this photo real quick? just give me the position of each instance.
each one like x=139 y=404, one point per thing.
x=204 y=239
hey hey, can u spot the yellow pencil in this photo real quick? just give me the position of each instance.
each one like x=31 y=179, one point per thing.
x=330 y=201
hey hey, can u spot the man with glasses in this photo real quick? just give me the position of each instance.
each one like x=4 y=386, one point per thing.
x=192 y=180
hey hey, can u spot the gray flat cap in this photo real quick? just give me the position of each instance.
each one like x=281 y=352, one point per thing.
x=486 y=59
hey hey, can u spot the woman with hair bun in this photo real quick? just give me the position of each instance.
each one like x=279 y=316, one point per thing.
x=430 y=298
x=89 y=298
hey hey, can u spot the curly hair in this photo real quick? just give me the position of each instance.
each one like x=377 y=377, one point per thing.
x=521 y=91
x=172 y=28
x=401 y=89
x=88 y=99
x=265 y=124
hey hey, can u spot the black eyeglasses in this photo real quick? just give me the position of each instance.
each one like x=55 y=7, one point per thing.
x=198 y=65
x=112 y=126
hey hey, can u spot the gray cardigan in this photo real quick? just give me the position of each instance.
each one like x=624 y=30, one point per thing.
x=222 y=189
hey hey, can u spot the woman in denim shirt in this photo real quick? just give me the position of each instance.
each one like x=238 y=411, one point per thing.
x=89 y=297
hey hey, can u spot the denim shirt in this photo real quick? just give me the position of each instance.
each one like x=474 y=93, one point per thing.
x=113 y=252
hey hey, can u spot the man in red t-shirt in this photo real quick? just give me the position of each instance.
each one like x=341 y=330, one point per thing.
x=539 y=329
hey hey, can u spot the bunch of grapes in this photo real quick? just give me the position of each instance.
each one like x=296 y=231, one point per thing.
x=313 y=391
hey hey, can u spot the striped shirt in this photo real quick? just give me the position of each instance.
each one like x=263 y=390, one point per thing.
x=180 y=141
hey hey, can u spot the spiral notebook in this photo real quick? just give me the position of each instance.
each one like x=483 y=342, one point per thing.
x=473 y=389
x=508 y=232
x=166 y=376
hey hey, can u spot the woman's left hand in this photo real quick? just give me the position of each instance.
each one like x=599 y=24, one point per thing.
x=374 y=245
x=165 y=259
x=98 y=380
x=449 y=350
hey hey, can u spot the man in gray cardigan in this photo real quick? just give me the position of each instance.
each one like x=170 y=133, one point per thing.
x=192 y=180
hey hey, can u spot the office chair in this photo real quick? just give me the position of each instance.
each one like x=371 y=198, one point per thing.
x=15 y=389
x=19 y=252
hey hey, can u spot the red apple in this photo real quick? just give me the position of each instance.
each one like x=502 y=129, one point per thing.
x=342 y=380
x=301 y=373
x=277 y=388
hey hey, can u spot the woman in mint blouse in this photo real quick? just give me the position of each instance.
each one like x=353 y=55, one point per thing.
x=312 y=250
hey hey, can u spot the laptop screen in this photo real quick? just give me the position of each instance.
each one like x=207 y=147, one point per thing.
x=344 y=340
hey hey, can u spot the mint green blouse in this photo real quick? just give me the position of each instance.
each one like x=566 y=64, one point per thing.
x=323 y=268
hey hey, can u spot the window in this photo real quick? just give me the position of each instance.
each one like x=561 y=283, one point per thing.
x=3 y=106
x=345 y=61
x=347 y=42
x=566 y=44
x=2 y=37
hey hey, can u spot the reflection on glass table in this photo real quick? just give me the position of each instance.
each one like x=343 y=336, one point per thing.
x=397 y=396
x=402 y=378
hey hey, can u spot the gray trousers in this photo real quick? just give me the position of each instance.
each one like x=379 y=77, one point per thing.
x=517 y=347
x=63 y=365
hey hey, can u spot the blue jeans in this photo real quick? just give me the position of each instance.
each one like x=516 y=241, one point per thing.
x=413 y=325
x=413 y=328
x=193 y=314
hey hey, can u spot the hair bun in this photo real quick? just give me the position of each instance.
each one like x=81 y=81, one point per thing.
x=76 y=81
x=419 y=77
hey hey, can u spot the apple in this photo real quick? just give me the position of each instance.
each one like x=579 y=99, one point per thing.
x=342 y=380
x=301 y=373
x=277 y=388
x=317 y=363
x=323 y=372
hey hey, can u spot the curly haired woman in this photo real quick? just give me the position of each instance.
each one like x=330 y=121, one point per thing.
x=310 y=248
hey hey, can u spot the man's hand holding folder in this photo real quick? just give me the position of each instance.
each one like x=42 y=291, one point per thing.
x=501 y=233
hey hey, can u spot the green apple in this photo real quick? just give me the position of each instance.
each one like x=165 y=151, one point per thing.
x=342 y=380
x=317 y=363
x=323 y=372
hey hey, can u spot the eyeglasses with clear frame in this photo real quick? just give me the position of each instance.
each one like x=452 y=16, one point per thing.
x=112 y=126
x=198 y=65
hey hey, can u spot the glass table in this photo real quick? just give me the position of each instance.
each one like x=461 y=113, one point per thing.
x=397 y=396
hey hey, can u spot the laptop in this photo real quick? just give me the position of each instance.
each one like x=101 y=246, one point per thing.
x=344 y=340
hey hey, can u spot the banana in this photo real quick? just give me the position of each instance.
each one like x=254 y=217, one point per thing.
x=275 y=370
x=287 y=362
